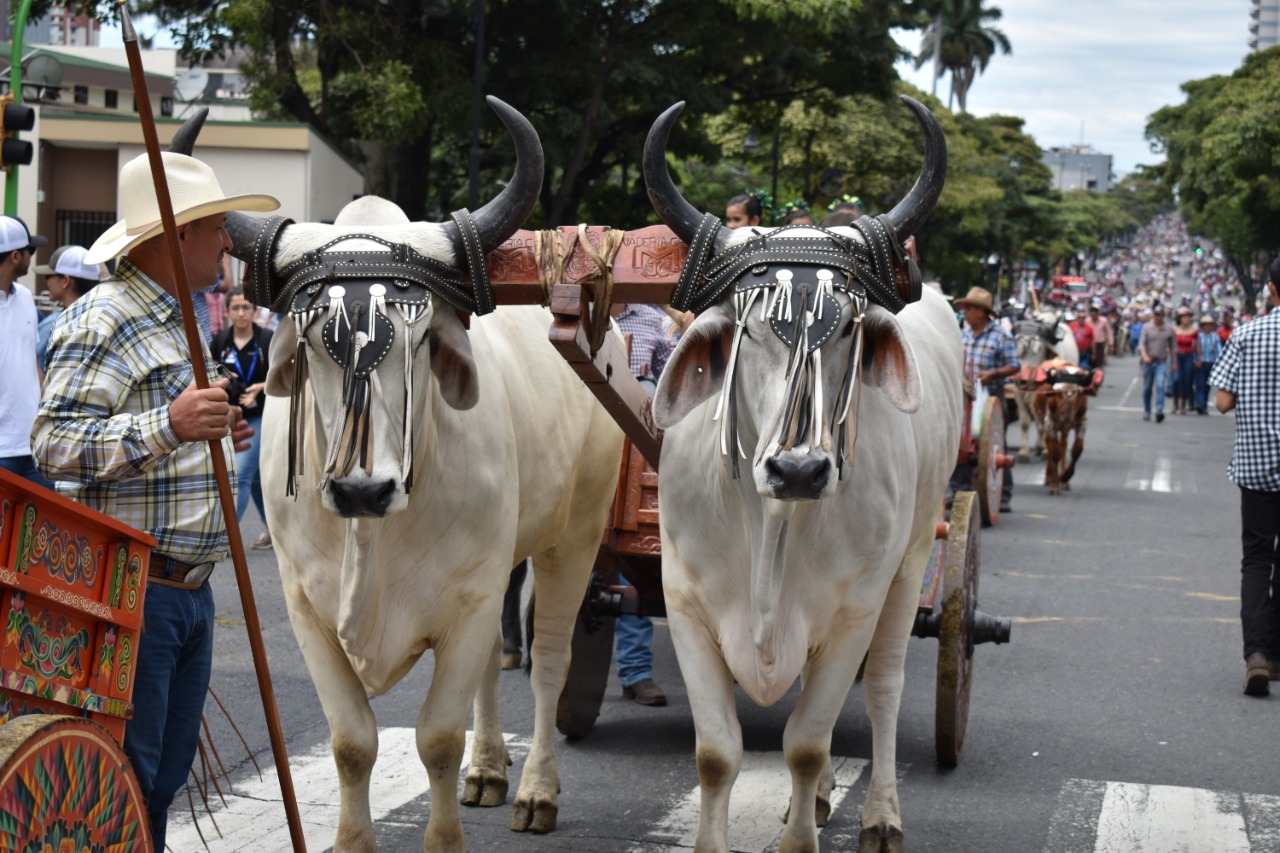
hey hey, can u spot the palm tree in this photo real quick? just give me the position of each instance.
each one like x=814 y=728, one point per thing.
x=960 y=40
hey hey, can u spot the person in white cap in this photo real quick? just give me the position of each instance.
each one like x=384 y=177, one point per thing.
x=18 y=326
x=67 y=277
x=123 y=429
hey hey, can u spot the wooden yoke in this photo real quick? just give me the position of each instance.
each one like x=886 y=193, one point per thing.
x=645 y=271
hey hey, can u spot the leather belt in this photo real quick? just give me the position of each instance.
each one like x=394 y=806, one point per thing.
x=171 y=572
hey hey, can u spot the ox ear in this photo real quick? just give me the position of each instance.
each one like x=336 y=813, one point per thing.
x=696 y=369
x=888 y=365
x=451 y=359
x=280 y=357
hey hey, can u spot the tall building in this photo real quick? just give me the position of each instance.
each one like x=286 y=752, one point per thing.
x=1264 y=26
x=64 y=26
x=1079 y=167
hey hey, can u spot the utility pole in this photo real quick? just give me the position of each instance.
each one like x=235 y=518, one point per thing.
x=15 y=89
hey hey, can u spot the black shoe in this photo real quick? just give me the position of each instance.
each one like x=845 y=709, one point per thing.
x=1004 y=506
x=645 y=692
x=1159 y=417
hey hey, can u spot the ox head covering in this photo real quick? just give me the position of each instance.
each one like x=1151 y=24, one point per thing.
x=794 y=272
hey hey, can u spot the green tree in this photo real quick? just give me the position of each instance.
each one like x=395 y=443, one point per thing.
x=1221 y=161
x=961 y=40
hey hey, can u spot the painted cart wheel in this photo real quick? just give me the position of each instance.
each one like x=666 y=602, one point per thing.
x=65 y=784
x=588 y=677
x=958 y=597
x=988 y=479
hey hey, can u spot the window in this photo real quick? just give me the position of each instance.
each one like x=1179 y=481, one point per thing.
x=166 y=106
x=110 y=98
x=82 y=94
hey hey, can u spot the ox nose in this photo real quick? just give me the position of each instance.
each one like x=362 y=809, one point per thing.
x=362 y=499
x=800 y=479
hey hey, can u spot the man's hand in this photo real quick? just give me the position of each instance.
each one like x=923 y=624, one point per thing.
x=202 y=414
x=241 y=432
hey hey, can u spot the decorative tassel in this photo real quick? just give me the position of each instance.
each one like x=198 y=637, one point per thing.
x=337 y=307
x=377 y=305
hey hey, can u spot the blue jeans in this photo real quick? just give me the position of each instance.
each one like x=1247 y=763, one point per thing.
x=247 y=478
x=25 y=467
x=1202 y=384
x=633 y=644
x=1183 y=382
x=175 y=658
x=1154 y=374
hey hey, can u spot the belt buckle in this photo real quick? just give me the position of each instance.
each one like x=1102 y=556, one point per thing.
x=199 y=574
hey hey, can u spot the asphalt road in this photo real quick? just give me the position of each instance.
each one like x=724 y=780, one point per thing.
x=1113 y=722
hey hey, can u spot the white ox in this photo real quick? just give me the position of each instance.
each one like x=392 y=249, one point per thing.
x=511 y=456
x=793 y=570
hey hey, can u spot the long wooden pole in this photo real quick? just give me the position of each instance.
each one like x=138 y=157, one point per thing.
x=226 y=498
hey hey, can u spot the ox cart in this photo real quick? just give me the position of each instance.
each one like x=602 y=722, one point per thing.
x=583 y=271
x=72 y=583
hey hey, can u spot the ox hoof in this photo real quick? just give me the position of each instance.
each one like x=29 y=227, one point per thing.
x=880 y=839
x=1066 y=487
x=484 y=789
x=512 y=660
x=1053 y=491
x=537 y=816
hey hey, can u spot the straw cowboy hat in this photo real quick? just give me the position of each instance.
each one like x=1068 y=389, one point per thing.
x=193 y=188
x=979 y=297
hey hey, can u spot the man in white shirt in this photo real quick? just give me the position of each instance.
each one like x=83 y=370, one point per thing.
x=18 y=321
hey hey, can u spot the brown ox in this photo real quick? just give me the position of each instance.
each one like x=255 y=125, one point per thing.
x=1060 y=405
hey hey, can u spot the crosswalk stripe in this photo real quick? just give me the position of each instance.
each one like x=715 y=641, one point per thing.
x=756 y=805
x=253 y=818
x=1163 y=479
x=1124 y=817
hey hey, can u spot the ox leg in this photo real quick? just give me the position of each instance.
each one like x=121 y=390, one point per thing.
x=442 y=723
x=352 y=727
x=715 y=720
x=1053 y=449
x=1077 y=447
x=559 y=582
x=1024 y=421
x=486 y=782
x=881 y=814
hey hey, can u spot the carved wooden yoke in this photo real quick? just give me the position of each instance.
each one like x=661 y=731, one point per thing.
x=644 y=270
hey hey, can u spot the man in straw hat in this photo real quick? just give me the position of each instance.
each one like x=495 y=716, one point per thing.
x=990 y=357
x=122 y=428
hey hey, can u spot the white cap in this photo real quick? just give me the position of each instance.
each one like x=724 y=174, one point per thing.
x=14 y=235
x=69 y=260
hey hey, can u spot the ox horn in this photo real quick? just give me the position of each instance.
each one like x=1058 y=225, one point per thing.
x=184 y=141
x=500 y=218
x=912 y=211
x=680 y=216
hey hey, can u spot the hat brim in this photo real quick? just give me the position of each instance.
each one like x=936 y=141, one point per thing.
x=44 y=269
x=117 y=240
x=962 y=302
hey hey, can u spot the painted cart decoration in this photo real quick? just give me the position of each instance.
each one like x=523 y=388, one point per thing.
x=72 y=583
x=580 y=272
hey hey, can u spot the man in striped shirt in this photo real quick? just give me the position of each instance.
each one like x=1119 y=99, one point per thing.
x=123 y=429
x=1247 y=376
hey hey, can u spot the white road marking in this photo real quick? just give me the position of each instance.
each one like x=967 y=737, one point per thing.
x=1033 y=477
x=1124 y=817
x=1161 y=480
x=253 y=818
x=1124 y=401
x=756 y=806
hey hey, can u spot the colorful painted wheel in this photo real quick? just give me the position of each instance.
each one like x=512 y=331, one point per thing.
x=584 y=688
x=65 y=784
x=988 y=479
x=958 y=599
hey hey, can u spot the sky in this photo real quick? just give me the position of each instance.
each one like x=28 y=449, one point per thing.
x=1096 y=69
x=1090 y=70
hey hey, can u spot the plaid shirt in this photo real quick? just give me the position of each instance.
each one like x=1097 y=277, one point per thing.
x=650 y=343
x=991 y=349
x=117 y=359
x=1249 y=367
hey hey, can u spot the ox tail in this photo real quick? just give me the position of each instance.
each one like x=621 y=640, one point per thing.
x=767 y=570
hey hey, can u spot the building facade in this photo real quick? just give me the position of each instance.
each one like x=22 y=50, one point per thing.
x=1079 y=167
x=1264 y=24
x=64 y=26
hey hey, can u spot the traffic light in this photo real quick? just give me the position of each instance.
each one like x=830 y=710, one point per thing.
x=15 y=152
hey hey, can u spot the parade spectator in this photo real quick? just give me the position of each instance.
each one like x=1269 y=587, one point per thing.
x=242 y=349
x=215 y=298
x=1083 y=335
x=742 y=211
x=123 y=429
x=1245 y=377
x=1209 y=347
x=1103 y=336
x=66 y=278
x=1185 y=343
x=1155 y=348
x=18 y=326
x=990 y=357
x=1135 y=329
x=1226 y=325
